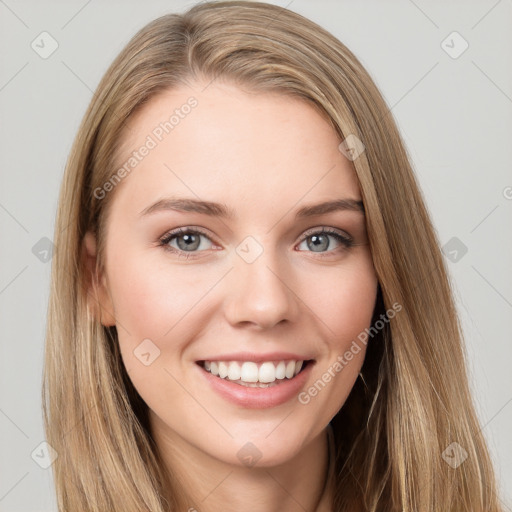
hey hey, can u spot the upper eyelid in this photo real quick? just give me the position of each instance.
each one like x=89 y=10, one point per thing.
x=328 y=229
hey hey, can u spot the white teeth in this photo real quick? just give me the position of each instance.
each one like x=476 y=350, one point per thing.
x=234 y=372
x=290 y=369
x=223 y=369
x=249 y=372
x=281 y=370
x=268 y=372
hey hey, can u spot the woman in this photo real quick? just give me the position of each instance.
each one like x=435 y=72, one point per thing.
x=249 y=305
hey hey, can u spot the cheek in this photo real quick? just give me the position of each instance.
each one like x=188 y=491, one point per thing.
x=344 y=299
x=150 y=298
x=350 y=311
x=153 y=301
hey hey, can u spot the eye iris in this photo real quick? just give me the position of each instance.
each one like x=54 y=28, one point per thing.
x=191 y=241
x=316 y=244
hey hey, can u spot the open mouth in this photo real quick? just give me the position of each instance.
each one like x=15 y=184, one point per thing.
x=251 y=374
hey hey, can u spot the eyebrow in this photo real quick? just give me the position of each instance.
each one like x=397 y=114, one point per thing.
x=221 y=210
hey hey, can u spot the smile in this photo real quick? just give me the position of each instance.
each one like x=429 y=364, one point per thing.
x=252 y=374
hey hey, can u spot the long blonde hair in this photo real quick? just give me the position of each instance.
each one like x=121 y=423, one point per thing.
x=414 y=399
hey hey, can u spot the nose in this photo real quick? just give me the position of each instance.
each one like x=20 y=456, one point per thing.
x=261 y=292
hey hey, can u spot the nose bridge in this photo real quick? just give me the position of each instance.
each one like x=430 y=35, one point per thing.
x=259 y=291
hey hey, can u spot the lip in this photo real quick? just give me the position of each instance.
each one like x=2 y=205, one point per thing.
x=257 y=358
x=258 y=398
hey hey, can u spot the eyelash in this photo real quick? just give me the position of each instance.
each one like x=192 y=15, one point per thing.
x=164 y=241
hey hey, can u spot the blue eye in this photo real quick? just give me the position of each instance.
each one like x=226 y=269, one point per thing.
x=188 y=241
x=191 y=240
x=320 y=240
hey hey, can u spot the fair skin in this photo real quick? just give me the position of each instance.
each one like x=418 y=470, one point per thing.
x=264 y=156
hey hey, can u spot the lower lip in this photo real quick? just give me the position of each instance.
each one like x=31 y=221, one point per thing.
x=258 y=398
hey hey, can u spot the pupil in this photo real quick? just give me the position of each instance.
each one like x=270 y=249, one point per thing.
x=317 y=243
x=189 y=241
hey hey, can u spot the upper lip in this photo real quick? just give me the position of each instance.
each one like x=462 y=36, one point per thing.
x=257 y=358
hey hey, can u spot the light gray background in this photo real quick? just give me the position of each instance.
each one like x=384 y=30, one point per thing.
x=454 y=114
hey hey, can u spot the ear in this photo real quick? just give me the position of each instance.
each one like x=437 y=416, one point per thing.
x=98 y=296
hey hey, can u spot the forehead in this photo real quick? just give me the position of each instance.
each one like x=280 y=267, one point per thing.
x=223 y=143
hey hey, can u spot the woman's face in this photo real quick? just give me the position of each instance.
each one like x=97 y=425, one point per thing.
x=260 y=284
